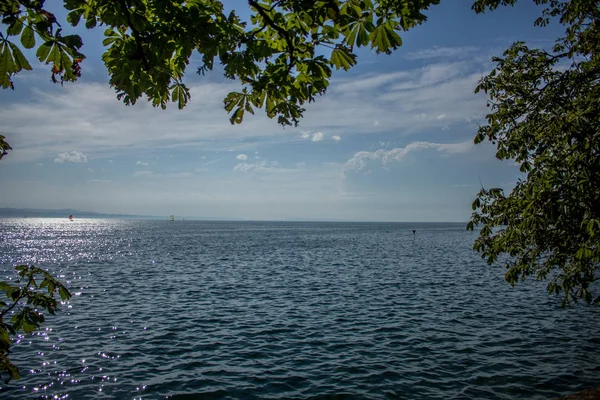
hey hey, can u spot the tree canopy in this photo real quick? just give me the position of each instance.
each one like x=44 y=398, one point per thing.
x=283 y=56
x=545 y=115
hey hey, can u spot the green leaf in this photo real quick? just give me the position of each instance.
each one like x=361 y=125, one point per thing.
x=351 y=36
x=7 y=64
x=43 y=51
x=64 y=293
x=15 y=28
x=28 y=38
x=583 y=253
x=363 y=36
x=4 y=339
x=72 y=41
x=15 y=294
x=6 y=365
x=74 y=17
x=5 y=286
x=359 y=34
x=27 y=326
x=237 y=116
x=90 y=22
x=20 y=59
x=384 y=39
x=55 y=56
x=179 y=94
x=340 y=58
x=231 y=100
x=330 y=32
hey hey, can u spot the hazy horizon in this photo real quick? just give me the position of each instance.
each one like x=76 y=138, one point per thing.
x=89 y=214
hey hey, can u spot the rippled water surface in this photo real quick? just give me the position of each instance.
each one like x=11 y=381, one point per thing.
x=191 y=309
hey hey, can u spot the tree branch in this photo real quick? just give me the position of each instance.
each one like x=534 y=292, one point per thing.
x=3 y=313
x=126 y=5
x=282 y=32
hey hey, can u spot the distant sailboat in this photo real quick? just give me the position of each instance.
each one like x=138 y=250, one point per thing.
x=172 y=218
x=71 y=217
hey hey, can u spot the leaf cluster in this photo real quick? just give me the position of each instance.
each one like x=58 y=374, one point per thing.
x=28 y=24
x=283 y=56
x=33 y=293
x=545 y=115
x=4 y=147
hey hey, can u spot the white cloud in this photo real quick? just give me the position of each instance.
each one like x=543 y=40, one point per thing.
x=253 y=167
x=441 y=52
x=337 y=138
x=314 y=137
x=264 y=167
x=369 y=82
x=242 y=157
x=416 y=99
x=441 y=116
x=104 y=126
x=317 y=137
x=88 y=117
x=150 y=174
x=110 y=161
x=72 y=157
x=145 y=164
x=358 y=161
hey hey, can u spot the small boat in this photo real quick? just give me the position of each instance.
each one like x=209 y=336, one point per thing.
x=172 y=218
x=71 y=217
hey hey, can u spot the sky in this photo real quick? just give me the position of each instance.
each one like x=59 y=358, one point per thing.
x=392 y=140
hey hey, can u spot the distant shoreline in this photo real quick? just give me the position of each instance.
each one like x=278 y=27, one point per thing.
x=7 y=212
x=64 y=213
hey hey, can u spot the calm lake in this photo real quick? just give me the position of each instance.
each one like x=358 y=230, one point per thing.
x=265 y=310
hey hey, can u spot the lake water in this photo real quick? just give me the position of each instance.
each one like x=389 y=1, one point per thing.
x=266 y=310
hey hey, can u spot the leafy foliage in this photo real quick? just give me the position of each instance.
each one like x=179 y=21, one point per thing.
x=4 y=147
x=283 y=56
x=545 y=114
x=28 y=20
x=26 y=303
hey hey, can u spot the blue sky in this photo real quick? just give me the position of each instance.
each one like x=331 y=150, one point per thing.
x=392 y=140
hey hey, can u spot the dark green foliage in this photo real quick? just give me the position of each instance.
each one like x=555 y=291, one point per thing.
x=31 y=294
x=276 y=56
x=545 y=115
x=4 y=147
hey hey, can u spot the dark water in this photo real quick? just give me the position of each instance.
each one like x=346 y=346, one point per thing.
x=289 y=310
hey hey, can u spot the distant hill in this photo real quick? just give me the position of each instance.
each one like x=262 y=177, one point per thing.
x=64 y=213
